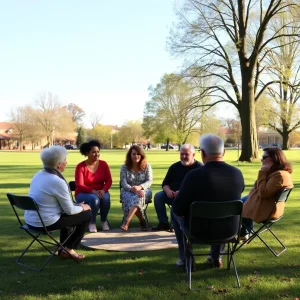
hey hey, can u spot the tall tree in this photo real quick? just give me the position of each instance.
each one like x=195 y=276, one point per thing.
x=81 y=136
x=76 y=112
x=228 y=40
x=285 y=69
x=21 y=118
x=130 y=132
x=95 y=119
x=101 y=133
x=51 y=116
x=167 y=114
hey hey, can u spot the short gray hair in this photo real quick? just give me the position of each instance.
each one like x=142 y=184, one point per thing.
x=188 y=146
x=212 y=144
x=54 y=155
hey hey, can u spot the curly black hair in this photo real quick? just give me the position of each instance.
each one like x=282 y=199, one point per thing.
x=85 y=148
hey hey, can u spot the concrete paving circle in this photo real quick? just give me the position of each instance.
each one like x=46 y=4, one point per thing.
x=132 y=240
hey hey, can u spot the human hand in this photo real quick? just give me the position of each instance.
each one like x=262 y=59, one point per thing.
x=170 y=193
x=95 y=192
x=140 y=193
x=266 y=166
x=86 y=207
x=101 y=194
x=135 y=188
x=175 y=194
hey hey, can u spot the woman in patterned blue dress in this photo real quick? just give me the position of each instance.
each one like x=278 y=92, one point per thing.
x=136 y=179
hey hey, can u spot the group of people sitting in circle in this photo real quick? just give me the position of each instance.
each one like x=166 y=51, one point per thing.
x=185 y=181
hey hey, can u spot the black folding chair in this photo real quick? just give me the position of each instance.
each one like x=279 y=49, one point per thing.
x=27 y=203
x=72 y=187
x=213 y=223
x=283 y=196
x=147 y=202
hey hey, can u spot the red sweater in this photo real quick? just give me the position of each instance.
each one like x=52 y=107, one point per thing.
x=87 y=181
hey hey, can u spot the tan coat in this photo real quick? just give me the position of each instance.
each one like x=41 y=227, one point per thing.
x=263 y=195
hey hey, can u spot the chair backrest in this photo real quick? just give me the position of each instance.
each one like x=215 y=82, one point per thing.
x=72 y=185
x=283 y=195
x=72 y=188
x=23 y=203
x=215 y=220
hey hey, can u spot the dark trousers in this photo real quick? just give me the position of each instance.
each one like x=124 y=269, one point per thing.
x=66 y=223
x=247 y=224
x=181 y=227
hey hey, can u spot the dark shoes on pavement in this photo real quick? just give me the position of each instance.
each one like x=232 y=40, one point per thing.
x=144 y=226
x=161 y=227
x=215 y=263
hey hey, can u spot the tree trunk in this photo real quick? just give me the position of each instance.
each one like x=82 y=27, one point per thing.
x=167 y=146
x=21 y=142
x=48 y=141
x=247 y=115
x=285 y=135
x=285 y=141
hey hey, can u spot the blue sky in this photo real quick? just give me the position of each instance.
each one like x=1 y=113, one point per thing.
x=99 y=54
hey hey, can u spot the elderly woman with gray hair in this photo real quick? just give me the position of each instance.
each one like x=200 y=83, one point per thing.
x=50 y=191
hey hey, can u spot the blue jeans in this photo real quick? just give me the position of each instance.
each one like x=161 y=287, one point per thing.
x=95 y=203
x=247 y=224
x=160 y=201
x=180 y=226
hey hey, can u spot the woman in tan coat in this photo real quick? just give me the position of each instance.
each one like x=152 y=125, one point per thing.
x=274 y=175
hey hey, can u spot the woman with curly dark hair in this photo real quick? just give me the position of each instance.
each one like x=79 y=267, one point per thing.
x=274 y=175
x=135 y=180
x=93 y=180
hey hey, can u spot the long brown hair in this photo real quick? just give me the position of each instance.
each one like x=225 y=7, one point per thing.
x=279 y=160
x=142 y=163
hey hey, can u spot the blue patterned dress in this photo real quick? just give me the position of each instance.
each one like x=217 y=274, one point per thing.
x=128 y=179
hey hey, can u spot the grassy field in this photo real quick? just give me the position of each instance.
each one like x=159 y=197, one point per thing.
x=143 y=275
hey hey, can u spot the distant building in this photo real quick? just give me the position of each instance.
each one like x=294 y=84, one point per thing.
x=268 y=137
x=9 y=140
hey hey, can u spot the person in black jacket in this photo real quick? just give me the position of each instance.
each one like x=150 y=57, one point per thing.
x=172 y=183
x=215 y=181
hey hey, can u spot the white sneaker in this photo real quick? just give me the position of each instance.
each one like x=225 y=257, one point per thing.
x=179 y=264
x=92 y=228
x=244 y=238
x=105 y=226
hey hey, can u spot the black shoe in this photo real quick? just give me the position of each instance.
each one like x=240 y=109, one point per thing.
x=161 y=226
x=144 y=226
x=215 y=263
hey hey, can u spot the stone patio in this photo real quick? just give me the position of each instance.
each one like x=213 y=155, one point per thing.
x=132 y=240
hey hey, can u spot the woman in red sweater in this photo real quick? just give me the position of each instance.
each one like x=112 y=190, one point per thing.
x=93 y=180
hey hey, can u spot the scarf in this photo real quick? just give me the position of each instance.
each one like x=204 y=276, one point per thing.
x=57 y=173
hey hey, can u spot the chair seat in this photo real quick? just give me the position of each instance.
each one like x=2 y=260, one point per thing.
x=265 y=226
x=40 y=231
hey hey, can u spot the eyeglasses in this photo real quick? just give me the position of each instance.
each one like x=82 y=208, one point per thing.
x=264 y=157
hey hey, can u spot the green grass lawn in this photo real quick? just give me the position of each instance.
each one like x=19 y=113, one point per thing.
x=143 y=275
